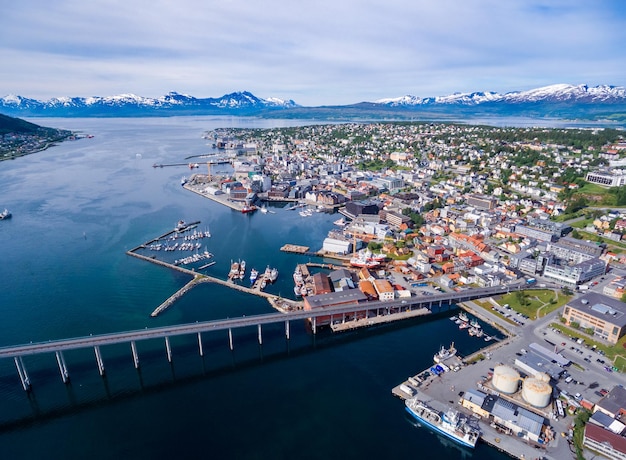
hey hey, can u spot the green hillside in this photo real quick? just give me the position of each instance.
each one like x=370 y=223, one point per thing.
x=16 y=125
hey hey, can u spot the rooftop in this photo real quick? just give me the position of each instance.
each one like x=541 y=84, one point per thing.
x=602 y=307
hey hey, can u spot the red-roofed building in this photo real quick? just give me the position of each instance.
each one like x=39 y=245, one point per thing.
x=604 y=441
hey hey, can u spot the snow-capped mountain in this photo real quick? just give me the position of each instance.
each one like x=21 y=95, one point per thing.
x=561 y=100
x=132 y=105
x=552 y=93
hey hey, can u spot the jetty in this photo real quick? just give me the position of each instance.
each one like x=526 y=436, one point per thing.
x=296 y=249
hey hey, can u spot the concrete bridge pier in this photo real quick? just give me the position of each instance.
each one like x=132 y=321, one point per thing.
x=62 y=367
x=168 y=349
x=133 y=347
x=21 y=371
x=200 y=344
x=99 y=361
x=260 y=337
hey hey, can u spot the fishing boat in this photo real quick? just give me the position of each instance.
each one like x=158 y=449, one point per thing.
x=273 y=275
x=248 y=208
x=254 y=274
x=450 y=424
x=234 y=271
x=444 y=353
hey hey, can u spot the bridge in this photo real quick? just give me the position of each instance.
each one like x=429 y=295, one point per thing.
x=340 y=311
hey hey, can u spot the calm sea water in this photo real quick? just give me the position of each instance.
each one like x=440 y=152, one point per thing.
x=76 y=209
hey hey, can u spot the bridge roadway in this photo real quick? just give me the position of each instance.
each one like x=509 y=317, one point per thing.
x=245 y=321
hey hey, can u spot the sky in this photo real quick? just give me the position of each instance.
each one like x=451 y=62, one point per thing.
x=316 y=52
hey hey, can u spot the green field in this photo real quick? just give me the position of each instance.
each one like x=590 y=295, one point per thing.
x=534 y=303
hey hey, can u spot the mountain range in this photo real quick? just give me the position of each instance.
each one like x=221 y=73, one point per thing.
x=560 y=100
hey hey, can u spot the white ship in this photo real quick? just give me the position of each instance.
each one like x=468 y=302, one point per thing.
x=450 y=424
x=444 y=353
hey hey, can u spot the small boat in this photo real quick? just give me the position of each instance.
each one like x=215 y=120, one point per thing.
x=254 y=274
x=183 y=180
x=273 y=275
x=248 y=208
x=340 y=222
x=264 y=210
x=453 y=318
x=296 y=291
x=263 y=283
x=463 y=316
x=234 y=271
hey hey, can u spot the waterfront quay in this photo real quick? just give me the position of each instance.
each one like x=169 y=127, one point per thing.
x=445 y=390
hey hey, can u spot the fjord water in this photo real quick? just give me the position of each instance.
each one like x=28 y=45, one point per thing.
x=77 y=207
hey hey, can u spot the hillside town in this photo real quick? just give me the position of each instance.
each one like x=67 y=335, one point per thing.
x=439 y=207
x=465 y=204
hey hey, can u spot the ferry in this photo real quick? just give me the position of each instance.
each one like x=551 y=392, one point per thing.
x=6 y=214
x=444 y=353
x=450 y=424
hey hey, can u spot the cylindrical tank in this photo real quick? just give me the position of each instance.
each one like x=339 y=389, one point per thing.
x=505 y=379
x=537 y=391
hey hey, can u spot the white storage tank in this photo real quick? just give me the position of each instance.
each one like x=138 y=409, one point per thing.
x=505 y=379
x=536 y=391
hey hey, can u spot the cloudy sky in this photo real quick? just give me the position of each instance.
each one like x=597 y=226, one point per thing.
x=315 y=52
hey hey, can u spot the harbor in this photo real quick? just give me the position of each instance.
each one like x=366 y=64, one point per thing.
x=451 y=379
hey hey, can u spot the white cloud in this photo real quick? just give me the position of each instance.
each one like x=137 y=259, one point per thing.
x=316 y=52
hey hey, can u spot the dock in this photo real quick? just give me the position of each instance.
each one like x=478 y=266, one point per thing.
x=295 y=249
x=382 y=319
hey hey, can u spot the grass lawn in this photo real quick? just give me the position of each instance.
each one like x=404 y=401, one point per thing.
x=582 y=223
x=534 y=303
x=593 y=189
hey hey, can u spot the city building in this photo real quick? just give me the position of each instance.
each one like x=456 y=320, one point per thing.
x=610 y=178
x=572 y=275
x=482 y=201
x=606 y=443
x=605 y=315
x=333 y=299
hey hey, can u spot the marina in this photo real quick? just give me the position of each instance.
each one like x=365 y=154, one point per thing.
x=100 y=290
